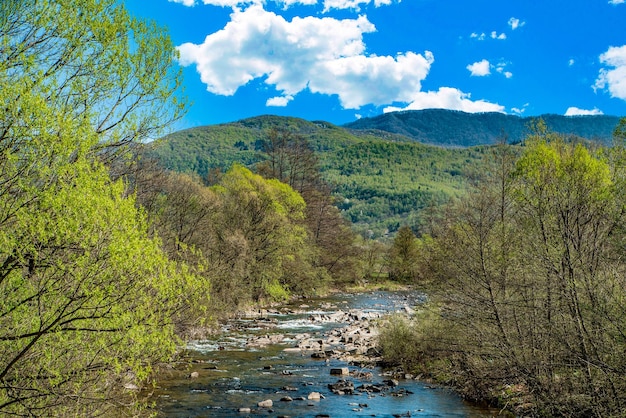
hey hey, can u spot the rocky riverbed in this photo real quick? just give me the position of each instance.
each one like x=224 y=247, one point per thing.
x=312 y=358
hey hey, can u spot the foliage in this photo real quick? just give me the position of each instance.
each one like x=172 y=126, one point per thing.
x=289 y=158
x=379 y=181
x=89 y=302
x=88 y=298
x=246 y=232
x=404 y=255
x=531 y=283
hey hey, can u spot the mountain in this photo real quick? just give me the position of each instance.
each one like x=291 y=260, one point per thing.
x=384 y=170
x=381 y=180
x=455 y=128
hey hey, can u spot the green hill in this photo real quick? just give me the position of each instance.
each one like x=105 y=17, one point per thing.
x=381 y=180
x=382 y=177
x=455 y=128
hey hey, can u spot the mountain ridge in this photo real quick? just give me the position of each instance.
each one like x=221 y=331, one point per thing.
x=456 y=128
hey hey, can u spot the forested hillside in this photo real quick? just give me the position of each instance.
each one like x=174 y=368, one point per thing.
x=456 y=128
x=380 y=180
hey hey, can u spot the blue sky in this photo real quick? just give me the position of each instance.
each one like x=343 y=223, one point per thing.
x=339 y=60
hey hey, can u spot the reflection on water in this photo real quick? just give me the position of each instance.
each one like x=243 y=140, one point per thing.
x=231 y=376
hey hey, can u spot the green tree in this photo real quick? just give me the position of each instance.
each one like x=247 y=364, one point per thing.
x=404 y=255
x=89 y=302
x=530 y=286
x=260 y=239
x=290 y=159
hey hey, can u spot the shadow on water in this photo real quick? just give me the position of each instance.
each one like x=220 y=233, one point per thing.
x=231 y=375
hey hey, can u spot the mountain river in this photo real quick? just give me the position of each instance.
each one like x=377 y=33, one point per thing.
x=267 y=356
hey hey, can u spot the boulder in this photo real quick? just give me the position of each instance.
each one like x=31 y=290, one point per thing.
x=268 y=403
x=314 y=396
x=340 y=371
x=342 y=387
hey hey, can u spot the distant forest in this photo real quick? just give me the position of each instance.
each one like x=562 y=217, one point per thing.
x=381 y=176
x=455 y=128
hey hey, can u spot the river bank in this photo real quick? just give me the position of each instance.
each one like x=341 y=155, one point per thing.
x=308 y=358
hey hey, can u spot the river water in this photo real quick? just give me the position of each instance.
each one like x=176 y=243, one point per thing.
x=232 y=375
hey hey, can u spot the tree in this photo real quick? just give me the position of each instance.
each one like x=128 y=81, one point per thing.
x=404 y=255
x=89 y=300
x=529 y=268
x=260 y=239
x=291 y=160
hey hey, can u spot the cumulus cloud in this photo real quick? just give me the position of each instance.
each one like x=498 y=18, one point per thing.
x=574 y=111
x=188 y=3
x=352 y=4
x=515 y=23
x=480 y=68
x=614 y=78
x=235 y=3
x=325 y=55
x=494 y=35
x=571 y=62
x=279 y=101
x=328 y=4
x=448 y=98
x=616 y=1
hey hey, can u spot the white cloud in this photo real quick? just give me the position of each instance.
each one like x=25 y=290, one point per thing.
x=574 y=111
x=328 y=4
x=501 y=69
x=480 y=68
x=325 y=55
x=448 y=98
x=279 y=101
x=480 y=37
x=616 y=1
x=519 y=111
x=494 y=35
x=188 y=3
x=571 y=62
x=515 y=23
x=614 y=80
x=352 y=4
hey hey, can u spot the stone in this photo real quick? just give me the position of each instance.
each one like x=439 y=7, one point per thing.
x=194 y=375
x=314 y=396
x=391 y=382
x=290 y=388
x=286 y=399
x=268 y=403
x=244 y=410
x=340 y=371
x=342 y=387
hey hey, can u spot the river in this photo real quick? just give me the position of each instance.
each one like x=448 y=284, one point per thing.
x=229 y=375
